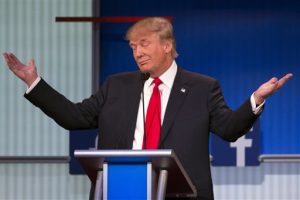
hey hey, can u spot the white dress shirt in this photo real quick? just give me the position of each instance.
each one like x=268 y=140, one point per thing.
x=165 y=87
x=35 y=82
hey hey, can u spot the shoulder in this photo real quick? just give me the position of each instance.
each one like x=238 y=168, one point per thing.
x=196 y=78
x=123 y=78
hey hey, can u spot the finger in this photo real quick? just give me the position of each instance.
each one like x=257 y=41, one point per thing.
x=284 y=79
x=14 y=68
x=6 y=58
x=4 y=54
x=289 y=75
x=15 y=60
x=31 y=63
x=8 y=61
x=273 y=80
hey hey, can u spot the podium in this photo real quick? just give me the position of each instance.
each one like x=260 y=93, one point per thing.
x=136 y=174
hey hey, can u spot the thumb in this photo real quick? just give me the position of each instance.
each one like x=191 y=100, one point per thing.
x=31 y=63
x=273 y=80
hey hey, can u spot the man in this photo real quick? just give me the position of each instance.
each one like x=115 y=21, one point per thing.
x=185 y=105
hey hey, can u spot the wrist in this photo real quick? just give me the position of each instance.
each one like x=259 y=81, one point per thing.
x=258 y=99
x=29 y=82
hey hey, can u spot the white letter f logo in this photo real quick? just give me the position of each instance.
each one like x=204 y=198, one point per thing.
x=241 y=144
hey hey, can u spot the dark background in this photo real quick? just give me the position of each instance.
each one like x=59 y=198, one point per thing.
x=240 y=43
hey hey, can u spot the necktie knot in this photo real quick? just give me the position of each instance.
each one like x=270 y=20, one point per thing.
x=157 y=81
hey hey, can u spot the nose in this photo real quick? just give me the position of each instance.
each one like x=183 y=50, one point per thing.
x=139 y=52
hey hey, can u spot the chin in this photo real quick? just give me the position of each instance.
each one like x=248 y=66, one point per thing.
x=144 y=69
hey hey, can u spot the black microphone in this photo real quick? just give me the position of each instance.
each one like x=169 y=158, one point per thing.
x=144 y=77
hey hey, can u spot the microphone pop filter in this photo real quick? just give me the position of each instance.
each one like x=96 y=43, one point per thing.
x=145 y=76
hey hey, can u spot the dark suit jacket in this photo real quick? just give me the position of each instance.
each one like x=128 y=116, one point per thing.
x=189 y=118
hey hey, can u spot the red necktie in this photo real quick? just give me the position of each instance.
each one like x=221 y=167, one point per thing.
x=153 y=122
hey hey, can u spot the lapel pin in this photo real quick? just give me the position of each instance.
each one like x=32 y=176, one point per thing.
x=182 y=90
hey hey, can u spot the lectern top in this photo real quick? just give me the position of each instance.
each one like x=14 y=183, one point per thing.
x=124 y=153
x=178 y=180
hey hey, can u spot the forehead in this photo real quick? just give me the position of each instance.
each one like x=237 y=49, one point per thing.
x=141 y=37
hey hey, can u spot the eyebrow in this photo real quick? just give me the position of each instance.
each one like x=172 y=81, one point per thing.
x=142 y=40
x=131 y=44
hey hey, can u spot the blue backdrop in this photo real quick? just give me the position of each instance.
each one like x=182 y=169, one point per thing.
x=240 y=43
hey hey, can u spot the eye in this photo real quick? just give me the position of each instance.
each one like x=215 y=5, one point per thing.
x=132 y=46
x=145 y=43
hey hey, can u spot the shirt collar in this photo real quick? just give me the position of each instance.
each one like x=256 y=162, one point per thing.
x=167 y=78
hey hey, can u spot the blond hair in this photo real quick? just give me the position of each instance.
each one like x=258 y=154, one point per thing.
x=158 y=25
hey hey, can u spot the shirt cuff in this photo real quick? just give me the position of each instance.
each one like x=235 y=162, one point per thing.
x=256 y=109
x=35 y=82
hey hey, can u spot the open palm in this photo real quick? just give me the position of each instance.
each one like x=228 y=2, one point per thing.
x=270 y=87
x=27 y=73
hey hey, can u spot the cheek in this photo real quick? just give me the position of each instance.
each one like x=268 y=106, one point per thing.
x=159 y=56
x=134 y=56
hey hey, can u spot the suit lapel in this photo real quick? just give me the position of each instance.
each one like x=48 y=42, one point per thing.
x=176 y=99
x=131 y=105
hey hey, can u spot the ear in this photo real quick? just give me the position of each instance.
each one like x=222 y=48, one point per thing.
x=168 y=45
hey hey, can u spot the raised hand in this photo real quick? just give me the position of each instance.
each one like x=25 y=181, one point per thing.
x=270 y=87
x=27 y=73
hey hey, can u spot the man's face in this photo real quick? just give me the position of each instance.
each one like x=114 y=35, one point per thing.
x=151 y=54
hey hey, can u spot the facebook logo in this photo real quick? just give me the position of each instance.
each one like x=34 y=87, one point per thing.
x=243 y=152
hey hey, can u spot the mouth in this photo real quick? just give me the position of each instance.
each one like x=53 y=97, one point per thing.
x=141 y=63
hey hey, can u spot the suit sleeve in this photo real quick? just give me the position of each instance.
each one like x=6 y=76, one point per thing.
x=67 y=114
x=229 y=124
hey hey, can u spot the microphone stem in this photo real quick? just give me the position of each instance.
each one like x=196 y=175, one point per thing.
x=144 y=77
x=145 y=135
